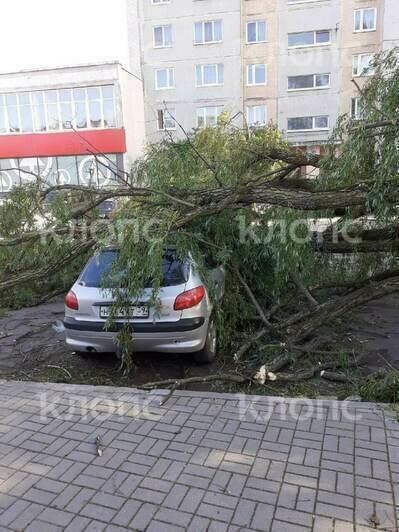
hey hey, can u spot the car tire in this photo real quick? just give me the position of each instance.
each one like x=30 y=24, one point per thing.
x=208 y=353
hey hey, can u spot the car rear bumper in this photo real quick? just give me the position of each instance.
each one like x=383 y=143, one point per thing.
x=183 y=336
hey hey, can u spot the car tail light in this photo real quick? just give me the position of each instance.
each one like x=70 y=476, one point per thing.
x=189 y=299
x=71 y=301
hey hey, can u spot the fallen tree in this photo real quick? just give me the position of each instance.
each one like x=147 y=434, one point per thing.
x=281 y=220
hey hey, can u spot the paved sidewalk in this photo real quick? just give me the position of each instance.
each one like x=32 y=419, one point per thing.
x=200 y=462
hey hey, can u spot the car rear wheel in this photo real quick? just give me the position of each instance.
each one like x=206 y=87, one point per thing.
x=208 y=353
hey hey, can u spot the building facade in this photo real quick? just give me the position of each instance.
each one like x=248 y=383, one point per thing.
x=76 y=125
x=291 y=62
x=189 y=55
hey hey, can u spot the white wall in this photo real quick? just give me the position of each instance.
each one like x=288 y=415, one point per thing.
x=132 y=100
x=390 y=33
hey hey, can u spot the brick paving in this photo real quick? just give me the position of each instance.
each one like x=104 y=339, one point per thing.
x=200 y=462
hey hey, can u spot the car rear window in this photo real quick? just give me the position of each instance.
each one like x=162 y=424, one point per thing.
x=174 y=271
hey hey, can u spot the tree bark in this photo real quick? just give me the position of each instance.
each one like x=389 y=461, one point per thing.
x=382 y=246
x=261 y=193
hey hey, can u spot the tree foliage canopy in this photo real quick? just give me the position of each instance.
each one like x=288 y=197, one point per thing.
x=320 y=230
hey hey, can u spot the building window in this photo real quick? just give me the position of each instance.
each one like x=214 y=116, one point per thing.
x=166 y=119
x=208 y=32
x=108 y=99
x=163 y=36
x=57 y=110
x=25 y=112
x=311 y=81
x=207 y=75
x=86 y=170
x=365 y=19
x=309 y=38
x=9 y=175
x=307 y=123
x=3 y=117
x=164 y=78
x=256 y=115
x=256 y=31
x=256 y=74
x=361 y=65
x=95 y=111
x=356 y=109
x=208 y=116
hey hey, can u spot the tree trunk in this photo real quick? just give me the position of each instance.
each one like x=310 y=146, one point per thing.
x=331 y=310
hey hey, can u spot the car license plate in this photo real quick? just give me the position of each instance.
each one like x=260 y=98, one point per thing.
x=136 y=311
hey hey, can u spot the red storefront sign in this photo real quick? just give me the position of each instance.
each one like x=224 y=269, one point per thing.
x=65 y=143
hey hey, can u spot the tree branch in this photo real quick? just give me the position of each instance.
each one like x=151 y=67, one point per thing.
x=333 y=309
x=56 y=266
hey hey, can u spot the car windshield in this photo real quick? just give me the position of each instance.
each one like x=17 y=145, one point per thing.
x=174 y=271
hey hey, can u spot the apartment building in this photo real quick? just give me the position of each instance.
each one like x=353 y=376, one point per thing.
x=75 y=125
x=287 y=61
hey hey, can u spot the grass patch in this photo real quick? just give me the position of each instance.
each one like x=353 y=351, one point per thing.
x=382 y=387
x=4 y=312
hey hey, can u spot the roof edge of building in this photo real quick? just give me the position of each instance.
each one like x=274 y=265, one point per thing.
x=62 y=67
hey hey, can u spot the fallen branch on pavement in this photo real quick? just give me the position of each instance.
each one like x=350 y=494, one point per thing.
x=59 y=368
x=178 y=383
x=333 y=376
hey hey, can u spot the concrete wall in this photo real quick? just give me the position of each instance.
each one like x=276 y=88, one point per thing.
x=390 y=33
x=132 y=105
x=133 y=18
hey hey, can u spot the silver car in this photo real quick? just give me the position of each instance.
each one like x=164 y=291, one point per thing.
x=181 y=323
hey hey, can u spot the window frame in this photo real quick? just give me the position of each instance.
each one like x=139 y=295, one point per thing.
x=210 y=21
x=257 y=22
x=355 y=105
x=360 y=73
x=163 y=111
x=219 y=111
x=314 y=87
x=163 y=45
x=169 y=70
x=202 y=67
x=314 y=32
x=39 y=96
x=261 y=106
x=314 y=117
x=252 y=66
x=362 y=10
